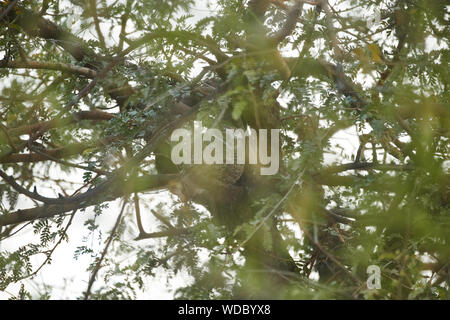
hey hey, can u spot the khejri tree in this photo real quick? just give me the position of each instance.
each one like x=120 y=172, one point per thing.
x=88 y=104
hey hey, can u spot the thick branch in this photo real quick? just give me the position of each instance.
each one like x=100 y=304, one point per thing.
x=37 y=26
x=100 y=193
x=141 y=184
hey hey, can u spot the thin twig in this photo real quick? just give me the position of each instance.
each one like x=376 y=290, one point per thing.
x=101 y=38
x=105 y=251
x=297 y=181
x=138 y=214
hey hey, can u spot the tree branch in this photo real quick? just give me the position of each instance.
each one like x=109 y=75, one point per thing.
x=141 y=184
x=101 y=38
x=364 y=166
x=95 y=115
x=37 y=26
x=165 y=233
x=10 y=6
x=64 y=152
x=105 y=251
x=86 y=72
x=289 y=25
